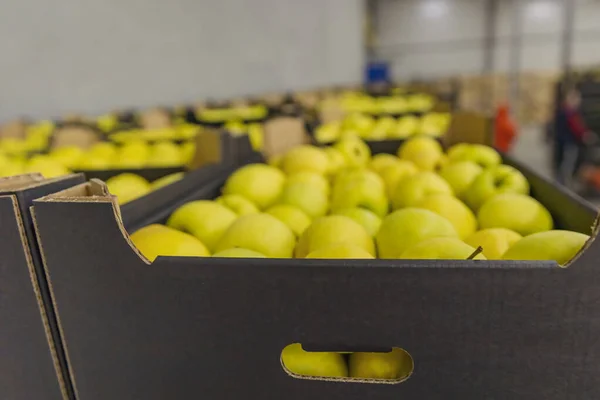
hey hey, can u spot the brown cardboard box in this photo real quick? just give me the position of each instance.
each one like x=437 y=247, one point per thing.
x=183 y=328
x=32 y=360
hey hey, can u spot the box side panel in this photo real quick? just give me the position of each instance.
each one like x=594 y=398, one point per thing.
x=189 y=327
x=26 y=363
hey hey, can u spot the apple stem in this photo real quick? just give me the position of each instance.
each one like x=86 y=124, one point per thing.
x=477 y=251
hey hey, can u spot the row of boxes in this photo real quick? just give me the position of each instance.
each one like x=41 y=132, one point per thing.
x=178 y=328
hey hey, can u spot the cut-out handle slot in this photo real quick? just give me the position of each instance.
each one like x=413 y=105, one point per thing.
x=377 y=365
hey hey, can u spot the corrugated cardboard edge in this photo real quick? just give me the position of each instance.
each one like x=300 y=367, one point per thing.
x=37 y=291
x=94 y=191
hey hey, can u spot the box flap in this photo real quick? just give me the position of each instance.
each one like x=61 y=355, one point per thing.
x=282 y=134
x=209 y=148
x=29 y=367
x=75 y=134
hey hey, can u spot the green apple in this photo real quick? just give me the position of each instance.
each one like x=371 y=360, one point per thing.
x=312 y=178
x=426 y=153
x=480 y=154
x=368 y=219
x=303 y=195
x=380 y=161
x=333 y=230
x=397 y=364
x=321 y=364
x=517 y=212
x=460 y=175
x=167 y=180
x=558 y=245
x=337 y=161
x=492 y=181
x=238 y=252
x=453 y=210
x=159 y=240
x=207 y=220
x=363 y=189
x=305 y=158
x=261 y=184
x=441 y=248
x=238 y=204
x=356 y=152
x=128 y=187
x=293 y=217
x=262 y=233
x=404 y=228
x=493 y=241
x=347 y=251
x=411 y=190
x=393 y=174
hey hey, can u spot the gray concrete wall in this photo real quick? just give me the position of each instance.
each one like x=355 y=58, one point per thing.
x=95 y=55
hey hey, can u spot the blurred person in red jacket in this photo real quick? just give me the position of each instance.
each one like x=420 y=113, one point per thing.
x=571 y=136
x=504 y=130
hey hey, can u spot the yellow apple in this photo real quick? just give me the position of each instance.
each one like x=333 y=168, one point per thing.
x=262 y=233
x=259 y=183
x=517 y=212
x=453 y=210
x=333 y=230
x=293 y=217
x=207 y=220
x=321 y=364
x=394 y=173
x=441 y=248
x=305 y=158
x=492 y=181
x=426 y=153
x=558 y=245
x=396 y=364
x=493 y=241
x=411 y=190
x=460 y=175
x=159 y=240
x=380 y=161
x=238 y=204
x=368 y=219
x=304 y=196
x=404 y=228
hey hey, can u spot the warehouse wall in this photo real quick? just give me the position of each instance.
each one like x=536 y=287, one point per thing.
x=444 y=37
x=92 y=56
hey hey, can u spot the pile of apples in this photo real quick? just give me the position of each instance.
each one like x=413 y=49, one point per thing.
x=128 y=187
x=360 y=102
x=370 y=128
x=339 y=202
x=225 y=114
x=172 y=133
x=133 y=154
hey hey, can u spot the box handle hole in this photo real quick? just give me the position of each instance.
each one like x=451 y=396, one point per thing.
x=388 y=367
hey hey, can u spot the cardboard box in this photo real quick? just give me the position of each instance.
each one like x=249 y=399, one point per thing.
x=214 y=328
x=32 y=359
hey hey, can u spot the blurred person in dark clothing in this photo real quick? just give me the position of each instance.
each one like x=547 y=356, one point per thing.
x=570 y=137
